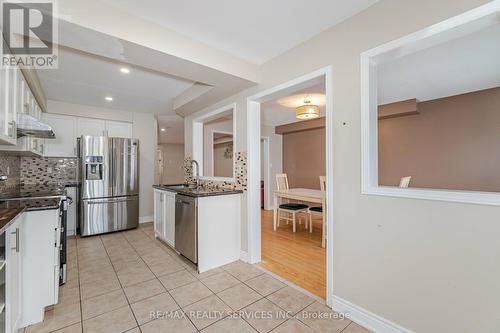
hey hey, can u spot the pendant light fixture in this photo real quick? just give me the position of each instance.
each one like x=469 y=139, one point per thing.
x=307 y=111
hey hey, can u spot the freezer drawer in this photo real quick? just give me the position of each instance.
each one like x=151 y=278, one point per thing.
x=109 y=214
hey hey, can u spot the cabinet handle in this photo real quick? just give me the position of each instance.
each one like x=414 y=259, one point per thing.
x=17 y=240
x=12 y=127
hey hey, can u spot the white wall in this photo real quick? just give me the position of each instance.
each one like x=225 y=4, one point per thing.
x=144 y=128
x=173 y=162
x=428 y=266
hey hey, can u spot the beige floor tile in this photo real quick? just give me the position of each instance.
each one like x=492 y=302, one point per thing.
x=220 y=282
x=239 y=296
x=274 y=315
x=159 y=303
x=116 y=321
x=143 y=290
x=207 y=311
x=98 y=305
x=190 y=293
x=265 y=284
x=99 y=287
x=177 y=325
x=230 y=325
x=166 y=268
x=355 y=328
x=242 y=271
x=134 y=330
x=293 y=326
x=177 y=279
x=322 y=319
x=290 y=299
x=76 y=328
x=69 y=295
x=96 y=276
x=58 y=318
x=193 y=270
x=128 y=279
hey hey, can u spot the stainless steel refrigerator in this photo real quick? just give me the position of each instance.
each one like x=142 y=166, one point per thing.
x=109 y=184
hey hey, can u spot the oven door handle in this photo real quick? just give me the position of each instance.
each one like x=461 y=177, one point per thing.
x=108 y=201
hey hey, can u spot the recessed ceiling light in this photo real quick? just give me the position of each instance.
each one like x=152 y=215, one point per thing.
x=109 y=98
x=162 y=129
x=124 y=70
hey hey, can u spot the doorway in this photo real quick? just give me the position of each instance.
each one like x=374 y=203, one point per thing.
x=257 y=219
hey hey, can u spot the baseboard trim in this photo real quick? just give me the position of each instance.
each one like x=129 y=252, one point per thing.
x=146 y=219
x=244 y=256
x=366 y=318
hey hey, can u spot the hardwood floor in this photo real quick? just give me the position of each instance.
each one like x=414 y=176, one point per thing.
x=298 y=257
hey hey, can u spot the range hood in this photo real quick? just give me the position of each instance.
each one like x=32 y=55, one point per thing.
x=30 y=126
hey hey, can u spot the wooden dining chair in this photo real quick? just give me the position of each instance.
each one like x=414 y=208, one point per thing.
x=319 y=211
x=289 y=208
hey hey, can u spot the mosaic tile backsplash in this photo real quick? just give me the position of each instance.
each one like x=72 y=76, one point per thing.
x=48 y=170
x=10 y=167
x=240 y=165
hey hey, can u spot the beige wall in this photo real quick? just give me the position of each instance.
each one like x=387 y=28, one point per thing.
x=225 y=126
x=304 y=157
x=173 y=162
x=144 y=128
x=449 y=145
x=223 y=167
x=275 y=157
x=429 y=266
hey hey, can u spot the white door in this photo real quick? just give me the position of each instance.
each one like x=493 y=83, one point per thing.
x=93 y=127
x=13 y=267
x=118 y=129
x=64 y=145
x=169 y=217
x=159 y=213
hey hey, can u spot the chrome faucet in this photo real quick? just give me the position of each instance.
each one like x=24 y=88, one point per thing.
x=197 y=172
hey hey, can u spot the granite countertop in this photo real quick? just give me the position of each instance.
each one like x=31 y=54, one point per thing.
x=7 y=216
x=195 y=192
x=10 y=209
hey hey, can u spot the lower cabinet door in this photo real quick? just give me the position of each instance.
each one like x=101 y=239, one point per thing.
x=13 y=283
x=169 y=226
x=159 y=213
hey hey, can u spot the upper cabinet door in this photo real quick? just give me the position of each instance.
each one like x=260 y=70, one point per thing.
x=64 y=145
x=8 y=100
x=118 y=129
x=92 y=127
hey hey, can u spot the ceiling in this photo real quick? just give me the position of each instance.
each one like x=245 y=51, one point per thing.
x=255 y=30
x=83 y=78
x=275 y=114
x=458 y=66
x=174 y=129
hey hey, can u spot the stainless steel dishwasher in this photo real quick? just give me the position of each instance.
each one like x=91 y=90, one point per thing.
x=186 y=227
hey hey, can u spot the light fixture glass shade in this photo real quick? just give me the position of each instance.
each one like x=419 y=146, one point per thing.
x=307 y=111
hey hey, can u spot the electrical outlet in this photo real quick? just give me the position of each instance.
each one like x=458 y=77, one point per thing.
x=49 y=169
x=8 y=171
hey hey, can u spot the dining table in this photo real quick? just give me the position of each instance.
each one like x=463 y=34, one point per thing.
x=299 y=194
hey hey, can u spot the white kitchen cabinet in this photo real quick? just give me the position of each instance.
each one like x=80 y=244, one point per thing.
x=9 y=102
x=72 y=211
x=14 y=251
x=90 y=126
x=99 y=127
x=159 y=213
x=64 y=145
x=118 y=129
x=169 y=222
x=164 y=216
x=40 y=263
